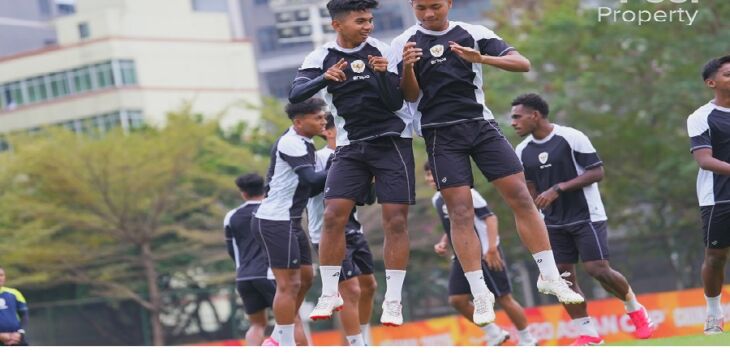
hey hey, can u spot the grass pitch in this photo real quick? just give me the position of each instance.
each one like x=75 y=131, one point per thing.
x=691 y=340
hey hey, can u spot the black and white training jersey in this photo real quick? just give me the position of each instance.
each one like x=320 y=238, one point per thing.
x=451 y=88
x=286 y=196
x=563 y=155
x=481 y=211
x=246 y=251
x=360 y=112
x=709 y=127
x=315 y=205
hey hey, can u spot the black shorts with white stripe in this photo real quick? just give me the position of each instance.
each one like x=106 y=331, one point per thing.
x=285 y=242
x=388 y=159
x=587 y=240
x=716 y=225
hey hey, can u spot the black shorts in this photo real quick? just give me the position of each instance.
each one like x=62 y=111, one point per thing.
x=716 y=226
x=497 y=281
x=389 y=159
x=257 y=294
x=358 y=258
x=449 y=149
x=589 y=240
x=285 y=242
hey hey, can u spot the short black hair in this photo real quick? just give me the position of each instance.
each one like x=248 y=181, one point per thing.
x=533 y=101
x=252 y=184
x=427 y=166
x=310 y=105
x=713 y=66
x=330 y=121
x=340 y=7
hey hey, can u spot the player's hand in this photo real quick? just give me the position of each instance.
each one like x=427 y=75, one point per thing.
x=441 y=248
x=336 y=72
x=378 y=64
x=471 y=55
x=411 y=54
x=494 y=260
x=546 y=198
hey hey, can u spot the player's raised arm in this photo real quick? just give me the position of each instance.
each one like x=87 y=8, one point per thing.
x=408 y=81
x=311 y=78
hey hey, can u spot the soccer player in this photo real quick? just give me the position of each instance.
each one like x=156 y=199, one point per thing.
x=374 y=139
x=254 y=279
x=13 y=314
x=278 y=221
x=563 y=170
x=441 y=78
x=357 y=284
x=493 y=268
x=709 y=131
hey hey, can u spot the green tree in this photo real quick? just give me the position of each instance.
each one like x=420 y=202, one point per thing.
x=118 y=212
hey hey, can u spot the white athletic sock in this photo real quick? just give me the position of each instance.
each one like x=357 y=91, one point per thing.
x=286 y=334
x=394 y=284
x=585 y=326
x=631 y=304
x=275 y=333
x=491 y=330
x=365 y=331
x=525 y=336
x=714 y=307
x=355 y=340
x=476 y=282
x=546 y=263
x=330 y=279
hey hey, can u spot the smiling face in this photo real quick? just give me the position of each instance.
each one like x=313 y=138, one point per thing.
x=432 y=14
x=310 y=124
x=354 y=26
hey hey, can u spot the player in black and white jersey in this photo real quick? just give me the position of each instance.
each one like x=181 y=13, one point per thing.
x=374 y=139
x=709 y=132
x=254 y=279
x=441 y=78
x=494 y=268
x=563 y=170
x=357 y=284
x=278 y=221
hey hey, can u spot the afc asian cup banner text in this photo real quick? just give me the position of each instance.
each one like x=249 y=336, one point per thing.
x=675 y=314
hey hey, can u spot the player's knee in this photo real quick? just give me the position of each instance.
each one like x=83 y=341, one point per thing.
x=715 y=261
x=461 y=215
x=396 y=224
x=368 y=286
x=599 y=272
x=334 y=218
x=350 y=292
x=289 y=287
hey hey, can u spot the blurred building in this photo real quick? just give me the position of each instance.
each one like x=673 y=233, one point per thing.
x=28 y=24
x=122 y=62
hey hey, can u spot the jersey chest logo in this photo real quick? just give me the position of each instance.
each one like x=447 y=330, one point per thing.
x=3 y=305
x=358 y=66
x=437 y=50
x=543 y=157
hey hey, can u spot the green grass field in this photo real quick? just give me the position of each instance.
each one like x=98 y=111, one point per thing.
x=691 y=340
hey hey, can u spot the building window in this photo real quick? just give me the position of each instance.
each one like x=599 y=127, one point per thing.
x=65 y=9
x=388 y=18
x=104 y=75
x=107 y=122
x=268 y=38
x=59 y=85
x=135 y=120
x=12 y=95
x=44 y=6
x=82 y=79
x=261 y=2
x=37 y=90
x=210 y=5
x=84 y=31
x=129 y=73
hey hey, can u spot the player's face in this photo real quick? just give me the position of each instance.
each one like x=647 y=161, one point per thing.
x=429 y=179
x=432 y=14
x=524 y=120
x=311 y=124
x=355 y=26
x=721 y=80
